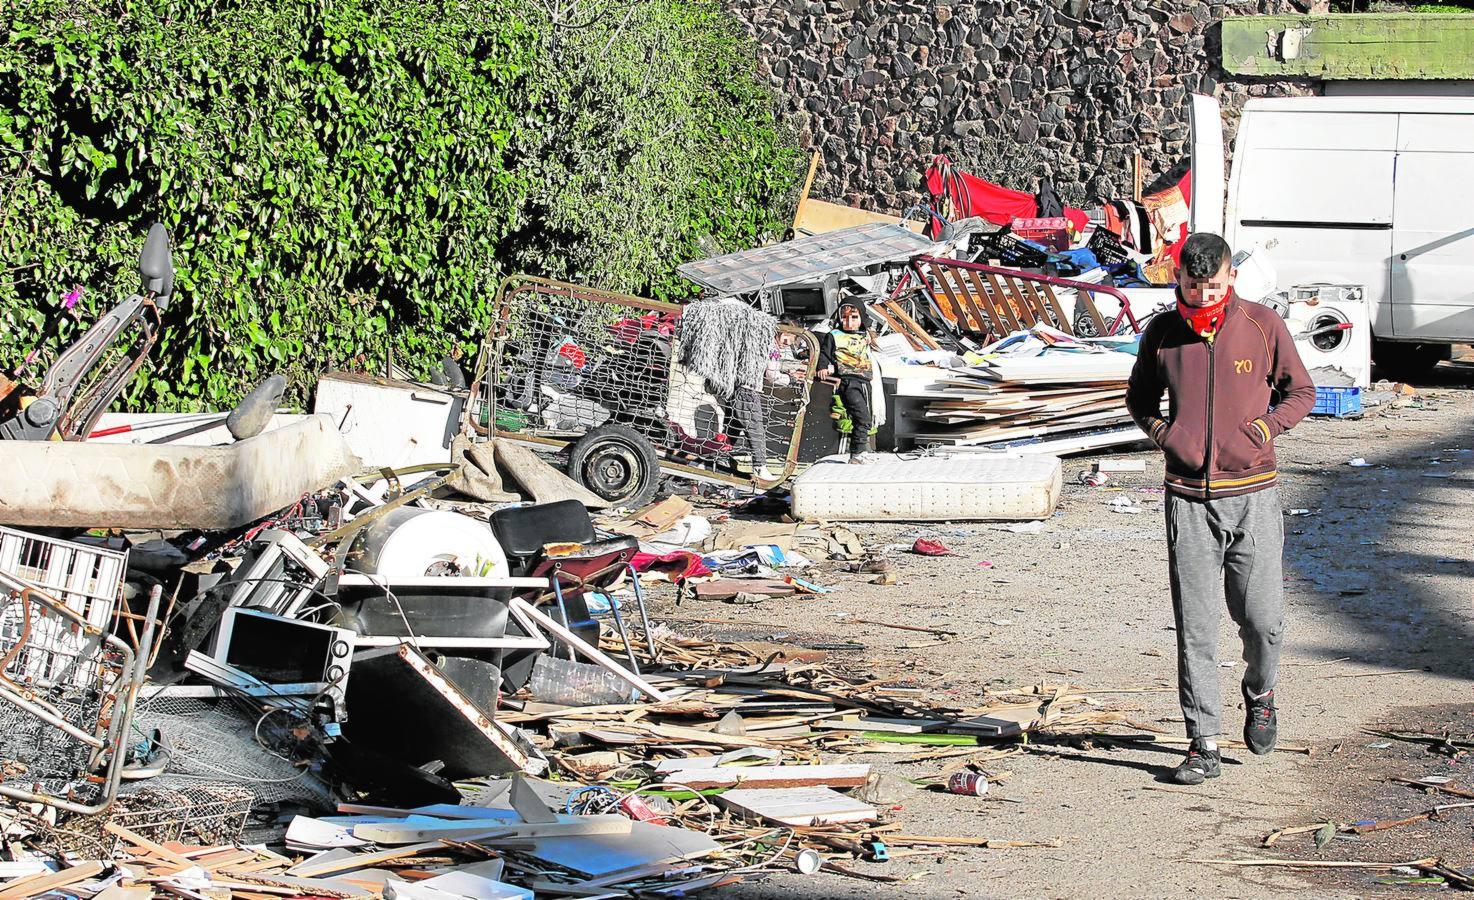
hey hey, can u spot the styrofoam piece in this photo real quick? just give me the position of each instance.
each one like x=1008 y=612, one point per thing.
x=929 y=489
x=87 y=484
x=388 y=422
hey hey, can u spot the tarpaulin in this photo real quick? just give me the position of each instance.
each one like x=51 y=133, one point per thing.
x=972 y=196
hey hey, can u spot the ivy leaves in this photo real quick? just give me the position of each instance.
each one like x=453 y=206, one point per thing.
x=346 y=178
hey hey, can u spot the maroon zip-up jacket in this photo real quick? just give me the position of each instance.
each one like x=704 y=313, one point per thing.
x=1218 y=437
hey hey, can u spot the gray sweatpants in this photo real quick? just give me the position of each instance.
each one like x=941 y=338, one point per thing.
x=1233 y=547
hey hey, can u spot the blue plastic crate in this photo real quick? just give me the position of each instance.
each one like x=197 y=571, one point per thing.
x=1336 y=401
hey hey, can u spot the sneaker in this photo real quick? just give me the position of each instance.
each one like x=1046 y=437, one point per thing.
x=1261 y=727
x=1200 y=765
x=857 y=460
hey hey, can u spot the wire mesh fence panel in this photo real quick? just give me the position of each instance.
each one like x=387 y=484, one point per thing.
x=204 y=814
x=563 y=360
x=227 y=739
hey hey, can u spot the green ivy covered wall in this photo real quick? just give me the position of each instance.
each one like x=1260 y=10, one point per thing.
x=349 y=178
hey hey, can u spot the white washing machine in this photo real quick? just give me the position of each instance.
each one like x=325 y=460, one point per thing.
x=1332 y=327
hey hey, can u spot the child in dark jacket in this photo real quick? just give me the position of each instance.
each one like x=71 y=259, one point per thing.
x=844 y=353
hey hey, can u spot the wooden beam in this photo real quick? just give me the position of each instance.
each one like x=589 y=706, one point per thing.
x=40 y=884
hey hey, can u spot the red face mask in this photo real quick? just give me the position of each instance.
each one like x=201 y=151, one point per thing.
x=1204 y=320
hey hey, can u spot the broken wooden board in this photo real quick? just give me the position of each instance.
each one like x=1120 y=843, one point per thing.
x=40 y=884
x=798 y=807
x=332 y=862
x=728 y=588
x=731 y=757
x=538 y=478
x=834 y=776
x=426 y=828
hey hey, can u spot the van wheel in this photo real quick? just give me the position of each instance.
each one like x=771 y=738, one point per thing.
x=1408 y=362
x=617 y=463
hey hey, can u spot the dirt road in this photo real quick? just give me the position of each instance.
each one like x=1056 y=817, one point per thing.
x=1379 y=628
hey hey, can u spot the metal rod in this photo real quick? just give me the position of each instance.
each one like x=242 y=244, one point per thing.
x=46 y=716
x=562 y=607
x=644 y=617
x=629 y=650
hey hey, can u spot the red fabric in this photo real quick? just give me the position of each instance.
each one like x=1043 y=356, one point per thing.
x=1204 y=320
x=679 y=565
x=972 y=196
x=930 y=548
x=629 y=330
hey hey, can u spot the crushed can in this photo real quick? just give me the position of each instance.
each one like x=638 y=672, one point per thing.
x=970 y=784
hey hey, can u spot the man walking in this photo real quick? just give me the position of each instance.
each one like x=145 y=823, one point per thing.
x=1234 y=383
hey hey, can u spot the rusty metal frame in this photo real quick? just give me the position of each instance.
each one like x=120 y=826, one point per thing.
x=489 y=361
x=109 y=736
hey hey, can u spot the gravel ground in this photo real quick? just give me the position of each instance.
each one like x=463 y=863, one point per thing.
x=1379 y=626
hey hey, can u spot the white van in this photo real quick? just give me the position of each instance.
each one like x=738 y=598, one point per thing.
x=1375 y=191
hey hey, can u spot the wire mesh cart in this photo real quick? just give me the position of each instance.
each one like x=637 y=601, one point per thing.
x=604 y=376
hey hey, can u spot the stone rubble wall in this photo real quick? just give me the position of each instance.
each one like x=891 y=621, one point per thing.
x=1011 y=91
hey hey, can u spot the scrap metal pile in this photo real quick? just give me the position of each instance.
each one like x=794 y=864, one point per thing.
x=343 y=707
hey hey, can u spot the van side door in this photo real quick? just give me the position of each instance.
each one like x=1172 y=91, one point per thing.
x=1314 y=189
x=1432 y=288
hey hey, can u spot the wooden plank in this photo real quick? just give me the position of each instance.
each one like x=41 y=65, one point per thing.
x=1019 y=302
x=995 y=325
x=1065 y=324
x=798 y=807
x=1036 y=301
x=360 y=860
x=40 y=884
x=1001 y=302
x=728 y=588
x=940 y=274
x=144 y=843
x=803 y=198
x=833 y=776
x=1088 y=298
x=421 y=828
x=883 y=313
x=974 y=308
x=927 y=341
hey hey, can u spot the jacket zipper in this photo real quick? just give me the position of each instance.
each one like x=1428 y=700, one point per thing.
x=1208 y=449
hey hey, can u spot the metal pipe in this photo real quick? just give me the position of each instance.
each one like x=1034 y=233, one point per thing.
x=562 y=606
x=644 y=617
x=46 y=716
x=629 y=650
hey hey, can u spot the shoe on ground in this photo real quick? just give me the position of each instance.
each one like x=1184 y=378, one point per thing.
x=857 y=460
x=1261 y=725
x=1198 y=766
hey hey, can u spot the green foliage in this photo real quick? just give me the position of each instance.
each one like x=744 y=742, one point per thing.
x=347 y=178
x=649 y=117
